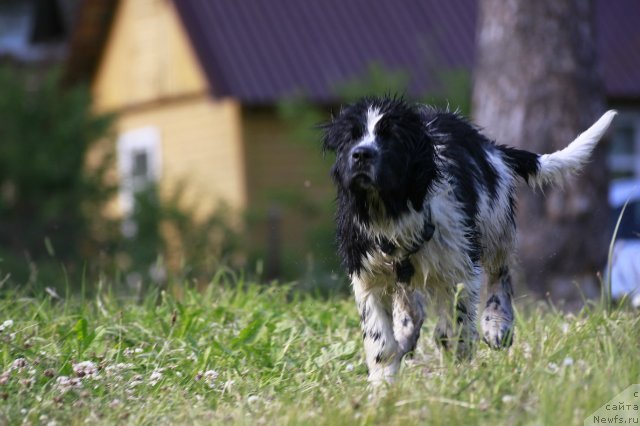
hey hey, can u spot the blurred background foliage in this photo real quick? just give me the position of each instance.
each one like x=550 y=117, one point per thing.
x=50 y=203
x=53 y=204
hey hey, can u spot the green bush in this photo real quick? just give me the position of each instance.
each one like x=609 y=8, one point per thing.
x=166 y=241
x=49 y=200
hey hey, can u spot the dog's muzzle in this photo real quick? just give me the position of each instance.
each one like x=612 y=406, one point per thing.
x=362 y=163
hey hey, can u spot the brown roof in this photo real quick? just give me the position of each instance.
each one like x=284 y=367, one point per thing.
x=260 y=51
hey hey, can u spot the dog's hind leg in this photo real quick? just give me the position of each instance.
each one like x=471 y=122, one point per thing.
x=381 y=349
x=497 y=318
x=456 y=327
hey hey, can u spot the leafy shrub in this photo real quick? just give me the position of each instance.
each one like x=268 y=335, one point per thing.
x=167 y=241
x=49 y=199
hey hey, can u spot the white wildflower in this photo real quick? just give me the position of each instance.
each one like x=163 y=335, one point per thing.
x=228 y=385
x=7 y=324
x=113 y=369
x=553 y=367
x=508 y=399
x=65 y=383
x=19 y=364
x=137 y=380
x=129 y=351
x=85 y=368
x=155 y=377
x=253 y=399
x=565 y=327
x=63 y=380
x=349 y=368
x=568 y=361
x=52 y=292
x=208 y=376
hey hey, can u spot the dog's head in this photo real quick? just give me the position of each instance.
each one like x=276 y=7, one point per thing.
x=383 y=150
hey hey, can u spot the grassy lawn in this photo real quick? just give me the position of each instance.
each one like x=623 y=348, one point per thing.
x=265 y=355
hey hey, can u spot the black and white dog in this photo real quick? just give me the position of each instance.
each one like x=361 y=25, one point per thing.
x=425 y=202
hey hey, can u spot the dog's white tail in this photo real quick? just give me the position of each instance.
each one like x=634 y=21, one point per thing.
x=553 y=167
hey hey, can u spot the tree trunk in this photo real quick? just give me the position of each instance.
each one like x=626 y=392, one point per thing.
x=537 y=86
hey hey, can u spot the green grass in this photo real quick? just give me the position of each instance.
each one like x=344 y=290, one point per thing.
x=264 y=355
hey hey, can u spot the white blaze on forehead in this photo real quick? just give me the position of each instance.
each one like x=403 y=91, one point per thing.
x=373 y=116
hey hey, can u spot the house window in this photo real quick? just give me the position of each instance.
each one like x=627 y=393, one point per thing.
x=138 y=164
x=624 y=155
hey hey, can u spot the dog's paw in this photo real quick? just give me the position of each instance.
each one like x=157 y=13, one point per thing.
x=497 y=324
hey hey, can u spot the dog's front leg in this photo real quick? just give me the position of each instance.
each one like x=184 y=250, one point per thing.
x=380 y=346
x=408 y=309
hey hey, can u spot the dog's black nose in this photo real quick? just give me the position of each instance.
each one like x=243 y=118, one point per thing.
x=363 y=154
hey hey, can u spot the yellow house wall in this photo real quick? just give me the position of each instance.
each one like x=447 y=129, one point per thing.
x=149 y=76
x=148 y=56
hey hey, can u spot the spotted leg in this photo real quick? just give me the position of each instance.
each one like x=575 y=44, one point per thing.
x=497 y=318
x=408 y=316
x=381 y=349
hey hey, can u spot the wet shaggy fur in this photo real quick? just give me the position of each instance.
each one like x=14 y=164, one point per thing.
x=425 y=204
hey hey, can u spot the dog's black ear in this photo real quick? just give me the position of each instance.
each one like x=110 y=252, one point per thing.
x=423 y=172
x=347 y=126
x=330 y=137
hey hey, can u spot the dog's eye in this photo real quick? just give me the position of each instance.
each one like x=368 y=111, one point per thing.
x=384 y=127
x=357 y=131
